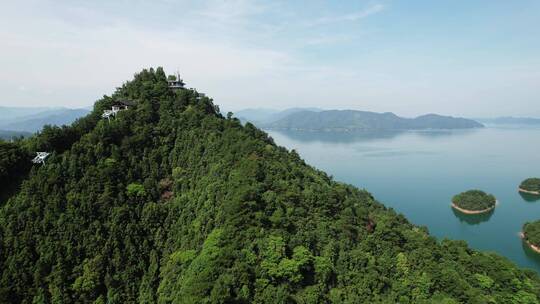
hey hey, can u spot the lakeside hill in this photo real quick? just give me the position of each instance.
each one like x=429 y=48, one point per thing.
x=170 y=202
x=351 y=120
x=33 y=119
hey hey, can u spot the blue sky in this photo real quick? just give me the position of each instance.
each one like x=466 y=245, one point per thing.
x=467 y=58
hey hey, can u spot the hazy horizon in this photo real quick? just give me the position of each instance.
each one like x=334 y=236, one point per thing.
x=462 y=59
x=225 y=110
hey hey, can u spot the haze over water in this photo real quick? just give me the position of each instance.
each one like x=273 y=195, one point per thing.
x=417 y=173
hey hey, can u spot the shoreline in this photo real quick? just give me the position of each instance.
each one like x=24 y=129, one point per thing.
x=529 y=192
x=533 y=247
x=466 y=211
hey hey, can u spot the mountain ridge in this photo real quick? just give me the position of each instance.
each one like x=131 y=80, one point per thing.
x=351 y=120
x=266 y=115
x=33 y=119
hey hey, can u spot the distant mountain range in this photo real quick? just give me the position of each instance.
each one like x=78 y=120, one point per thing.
x=351 y=120
x=23 y=121
x=508 y=120
x=264 y=116
x=8 y=134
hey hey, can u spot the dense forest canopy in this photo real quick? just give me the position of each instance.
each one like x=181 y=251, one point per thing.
x=531 y=232
x=13 y=161
x=170 y=202
x=531 y=184
x=474 y=200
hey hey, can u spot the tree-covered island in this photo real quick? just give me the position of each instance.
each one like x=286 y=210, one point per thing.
x=531 y=235
x=474 y=202
x=530 y=185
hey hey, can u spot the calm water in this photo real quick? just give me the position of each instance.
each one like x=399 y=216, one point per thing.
x=417 y=173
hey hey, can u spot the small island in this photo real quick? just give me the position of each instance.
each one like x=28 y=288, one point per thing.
x=530 y=185
x=474 y=202
x=531 y=235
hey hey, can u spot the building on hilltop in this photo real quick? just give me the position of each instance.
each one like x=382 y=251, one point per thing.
x=175 y=82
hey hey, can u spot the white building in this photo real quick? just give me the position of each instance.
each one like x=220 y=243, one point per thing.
x=117 y=107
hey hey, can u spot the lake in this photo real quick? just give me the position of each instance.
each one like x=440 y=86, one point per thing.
x=418 y=172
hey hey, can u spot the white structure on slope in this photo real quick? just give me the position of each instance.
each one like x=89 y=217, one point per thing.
x=40 y=157
x=117 y=107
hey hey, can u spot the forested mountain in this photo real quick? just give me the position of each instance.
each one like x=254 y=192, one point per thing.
x=33 y=119
x=351 y=120
x=170 y=202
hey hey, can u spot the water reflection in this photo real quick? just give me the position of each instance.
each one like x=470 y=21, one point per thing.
x=473 y=219
x=443 y=133
x=531 y=254
x=338 y=137
x=398 y=153
x=364 y=136
x=529 y=197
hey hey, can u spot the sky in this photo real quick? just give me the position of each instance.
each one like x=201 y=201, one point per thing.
x=462 y=58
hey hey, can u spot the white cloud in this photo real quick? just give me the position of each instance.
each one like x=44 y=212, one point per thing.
x=230 y=12
x=75 y=62
x=53 y=54
x=350 y=17
x=327 y=39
